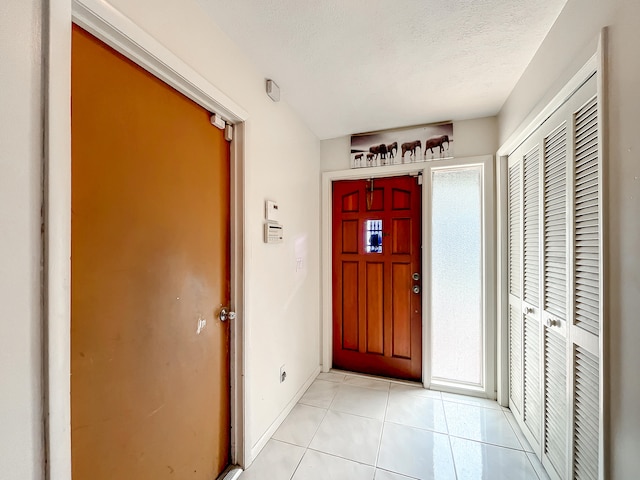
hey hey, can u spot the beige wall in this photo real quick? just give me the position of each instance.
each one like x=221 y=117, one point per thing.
x=566 y=48
x=21 y=437
x=471 y=138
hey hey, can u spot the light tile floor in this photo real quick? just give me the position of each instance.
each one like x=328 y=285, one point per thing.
x=349 y=427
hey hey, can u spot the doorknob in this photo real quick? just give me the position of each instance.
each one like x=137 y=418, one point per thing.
x=416 y=289
x=552 y=322
x=225 y=314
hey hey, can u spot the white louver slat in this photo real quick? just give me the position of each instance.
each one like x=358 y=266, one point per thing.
x=586 y=415
x=586 y=212
x=514 y=230
x=515 y=358
x=555 y=222
x=532 y=412
x=531 y=227
x=555 y=403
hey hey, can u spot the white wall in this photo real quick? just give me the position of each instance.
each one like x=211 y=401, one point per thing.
x=471 y=138
x=21 y=432
x=565 y=49
x=282 y=164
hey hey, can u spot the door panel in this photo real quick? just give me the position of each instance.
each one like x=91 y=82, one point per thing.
x=375 y=307
x=401 y=283
x=554 y=293
x=377 y=322
x=150 y=270
x=516 y=353
x=532 y=412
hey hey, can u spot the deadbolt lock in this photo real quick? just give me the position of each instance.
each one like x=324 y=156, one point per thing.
x=416 y=276
x=416 y=289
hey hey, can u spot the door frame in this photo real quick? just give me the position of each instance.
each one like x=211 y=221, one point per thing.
x=487 y=259
x=120 y=33
x=384 y=212
x=489 y=295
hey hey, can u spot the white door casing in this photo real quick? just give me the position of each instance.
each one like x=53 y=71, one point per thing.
x=486 y=386
x=123 y=35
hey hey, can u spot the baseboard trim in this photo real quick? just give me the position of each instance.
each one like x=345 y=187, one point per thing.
x=262 y=441
x=232 y=472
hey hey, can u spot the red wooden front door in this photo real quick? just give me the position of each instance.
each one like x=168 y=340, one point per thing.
x=377 y=315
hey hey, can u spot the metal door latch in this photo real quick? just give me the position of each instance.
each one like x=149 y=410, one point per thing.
x=225 y=314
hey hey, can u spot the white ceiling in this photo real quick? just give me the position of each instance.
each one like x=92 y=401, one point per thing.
x=352 y=66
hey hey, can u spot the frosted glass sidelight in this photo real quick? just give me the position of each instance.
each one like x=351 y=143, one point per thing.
x=457 y=352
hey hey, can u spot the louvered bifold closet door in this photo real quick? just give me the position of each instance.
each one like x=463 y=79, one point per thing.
x=587 y=285
x=586 y=208
x=555 y=223
x=555 y=403
x=555 y=287
x=532 y=411
x=586 y=415
x=514 y=252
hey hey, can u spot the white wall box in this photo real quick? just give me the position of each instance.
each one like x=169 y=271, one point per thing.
x=271 y=211
x=273 y=232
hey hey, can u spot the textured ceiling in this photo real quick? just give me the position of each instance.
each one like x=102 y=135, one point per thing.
x=352 y=66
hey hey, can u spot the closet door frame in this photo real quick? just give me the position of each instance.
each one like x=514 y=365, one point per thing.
x=596 y=65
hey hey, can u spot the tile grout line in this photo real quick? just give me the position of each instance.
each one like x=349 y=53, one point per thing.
x=396 y=473
x=384 y=421
x=514 y=425
x=306 y=449
x=472 y=405
x=450 y=401
x=343 y=382
x=335 y=455
x=394 y=381
x=535 y=470
x=286 y=443
x=514 y=431
x=298 y=464
x=358 y=414
x=453 y=458
x=489 y=443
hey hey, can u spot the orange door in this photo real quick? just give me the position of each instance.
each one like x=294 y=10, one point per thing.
x=377 y=320
x=150 y=270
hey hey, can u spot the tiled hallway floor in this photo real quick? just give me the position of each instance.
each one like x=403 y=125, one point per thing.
x=357 y=428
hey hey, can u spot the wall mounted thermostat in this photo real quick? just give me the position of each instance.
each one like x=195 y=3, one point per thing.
x=273 y=233
x=271 y=211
